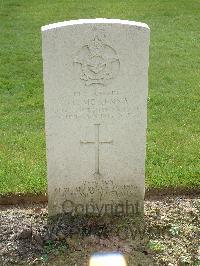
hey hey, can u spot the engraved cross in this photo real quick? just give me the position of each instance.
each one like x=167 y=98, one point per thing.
x=97 y=143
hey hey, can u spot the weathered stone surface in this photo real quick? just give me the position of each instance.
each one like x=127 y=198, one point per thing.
x=96 y=80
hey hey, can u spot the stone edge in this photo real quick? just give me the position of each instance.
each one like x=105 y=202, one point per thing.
x=150 y=194
x=93 y=21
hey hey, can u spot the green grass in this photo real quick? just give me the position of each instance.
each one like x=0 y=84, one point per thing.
x=174 y=87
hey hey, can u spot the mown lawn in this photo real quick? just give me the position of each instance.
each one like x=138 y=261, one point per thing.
x=174 y=87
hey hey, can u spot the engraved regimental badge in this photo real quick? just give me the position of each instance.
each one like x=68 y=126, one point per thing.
x=99 y=62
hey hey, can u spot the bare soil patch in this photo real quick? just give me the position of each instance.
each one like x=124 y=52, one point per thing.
x=168 y=235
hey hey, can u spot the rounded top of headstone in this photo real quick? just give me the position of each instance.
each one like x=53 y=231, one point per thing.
x=93 y=21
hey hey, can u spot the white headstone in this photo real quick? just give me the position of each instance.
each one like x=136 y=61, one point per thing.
x=96 y=82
